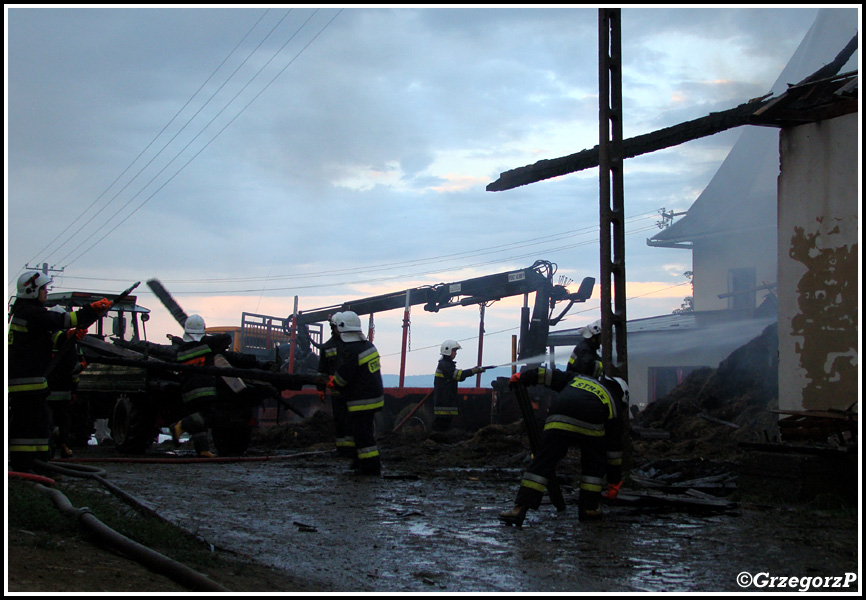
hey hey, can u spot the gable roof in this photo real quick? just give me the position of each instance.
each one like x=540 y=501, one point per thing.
x=741 y=197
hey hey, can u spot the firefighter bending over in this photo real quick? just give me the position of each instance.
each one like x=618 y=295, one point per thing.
x=581 y=415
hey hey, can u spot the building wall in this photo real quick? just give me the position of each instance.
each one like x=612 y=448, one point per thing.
x=713 y=259
x=818 y=265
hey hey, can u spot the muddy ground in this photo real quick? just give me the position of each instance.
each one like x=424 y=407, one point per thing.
x=430 y=523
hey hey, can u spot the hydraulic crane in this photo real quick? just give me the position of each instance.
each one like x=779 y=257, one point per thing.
x=534 y=328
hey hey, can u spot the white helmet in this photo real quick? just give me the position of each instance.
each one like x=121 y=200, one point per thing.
x=349 y=326
x=592 y=329
x=193 y=328
x=622 y=383
x=31 y=282
x=447 y=346
x=334 y=319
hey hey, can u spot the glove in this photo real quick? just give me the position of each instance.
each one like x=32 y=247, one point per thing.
x=515 y=379
x=322 y=395
x=331 y=384
x=101 y=306
x=77 y=333
x=612 y=490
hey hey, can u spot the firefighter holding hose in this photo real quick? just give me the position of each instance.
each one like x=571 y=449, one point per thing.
x=29 y=360
x=445 y=382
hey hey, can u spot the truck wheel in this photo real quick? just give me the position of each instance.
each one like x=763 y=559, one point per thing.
x=420 y=421
x=133 y=427
x=232 y=440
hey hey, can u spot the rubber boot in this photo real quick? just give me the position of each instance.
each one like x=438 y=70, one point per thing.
x=515 y=516
x=589 y=514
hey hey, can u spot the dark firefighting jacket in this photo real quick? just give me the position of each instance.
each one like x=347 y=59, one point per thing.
x=583 y=405
x=328 y=360
x=63 y=379
x=358 y=377
x=445 y=386
x=199 y=389
x=584 y=359
x=30 y=343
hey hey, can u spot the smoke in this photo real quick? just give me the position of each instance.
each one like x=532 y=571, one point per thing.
x=712 y=340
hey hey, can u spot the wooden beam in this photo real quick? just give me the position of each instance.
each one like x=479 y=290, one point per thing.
x=642 y=144
x=744 y=114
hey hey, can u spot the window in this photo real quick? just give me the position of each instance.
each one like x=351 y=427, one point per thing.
x=741 y=284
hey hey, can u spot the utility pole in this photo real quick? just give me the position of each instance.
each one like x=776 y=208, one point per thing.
x=611 y=196
x=44 y=268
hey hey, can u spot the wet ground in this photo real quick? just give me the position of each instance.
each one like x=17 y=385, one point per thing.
x=431 y=526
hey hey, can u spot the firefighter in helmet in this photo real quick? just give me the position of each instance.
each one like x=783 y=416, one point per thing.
x=28 y=361
x=445 y=405
x=358 y=379
x=199 y=391
x=584 y=358
x=579 y=416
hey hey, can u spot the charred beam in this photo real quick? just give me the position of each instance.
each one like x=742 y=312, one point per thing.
x=642 y=144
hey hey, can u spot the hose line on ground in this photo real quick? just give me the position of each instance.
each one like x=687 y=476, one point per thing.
x=180 y=573
x=87 y=472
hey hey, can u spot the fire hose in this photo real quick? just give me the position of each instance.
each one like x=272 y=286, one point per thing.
x=159 y=563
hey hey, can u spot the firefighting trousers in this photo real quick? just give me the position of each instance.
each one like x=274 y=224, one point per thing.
x=60 y=410
x=343 y=440
x=613 y=441
x=29 y=430
x=361 y=427
x=552 y=448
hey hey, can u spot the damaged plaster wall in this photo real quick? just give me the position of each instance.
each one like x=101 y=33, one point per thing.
x=818 y=265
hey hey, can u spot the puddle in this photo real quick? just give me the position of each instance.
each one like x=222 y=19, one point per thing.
x=442 y=534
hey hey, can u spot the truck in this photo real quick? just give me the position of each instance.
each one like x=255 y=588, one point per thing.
x=139 y=394
x=479 y=406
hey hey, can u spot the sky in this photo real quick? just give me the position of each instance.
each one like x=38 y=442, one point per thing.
x=248 y=156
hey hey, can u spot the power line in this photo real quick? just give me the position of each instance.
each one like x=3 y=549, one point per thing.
x=156 y=137
x=177 y=155
x=436 y=259
x=176 y=173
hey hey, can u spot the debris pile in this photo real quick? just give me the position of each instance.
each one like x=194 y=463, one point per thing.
x=316 y=430
x=714 y=410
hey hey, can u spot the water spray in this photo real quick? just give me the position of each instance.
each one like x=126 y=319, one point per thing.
x=541 y=358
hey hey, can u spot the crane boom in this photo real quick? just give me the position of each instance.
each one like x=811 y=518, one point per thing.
x=537 y=278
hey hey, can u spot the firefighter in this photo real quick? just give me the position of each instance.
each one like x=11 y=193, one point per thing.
x=584 y=358
x=28 y=359
x=328 y=358
x=62 y=385
x=445 y=385
x=358 y=379
x=577 y=417
x=200 y=391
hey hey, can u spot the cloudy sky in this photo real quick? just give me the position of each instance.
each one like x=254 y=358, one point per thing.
x=248 y=156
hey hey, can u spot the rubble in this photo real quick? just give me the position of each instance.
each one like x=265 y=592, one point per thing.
x=714 y=410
